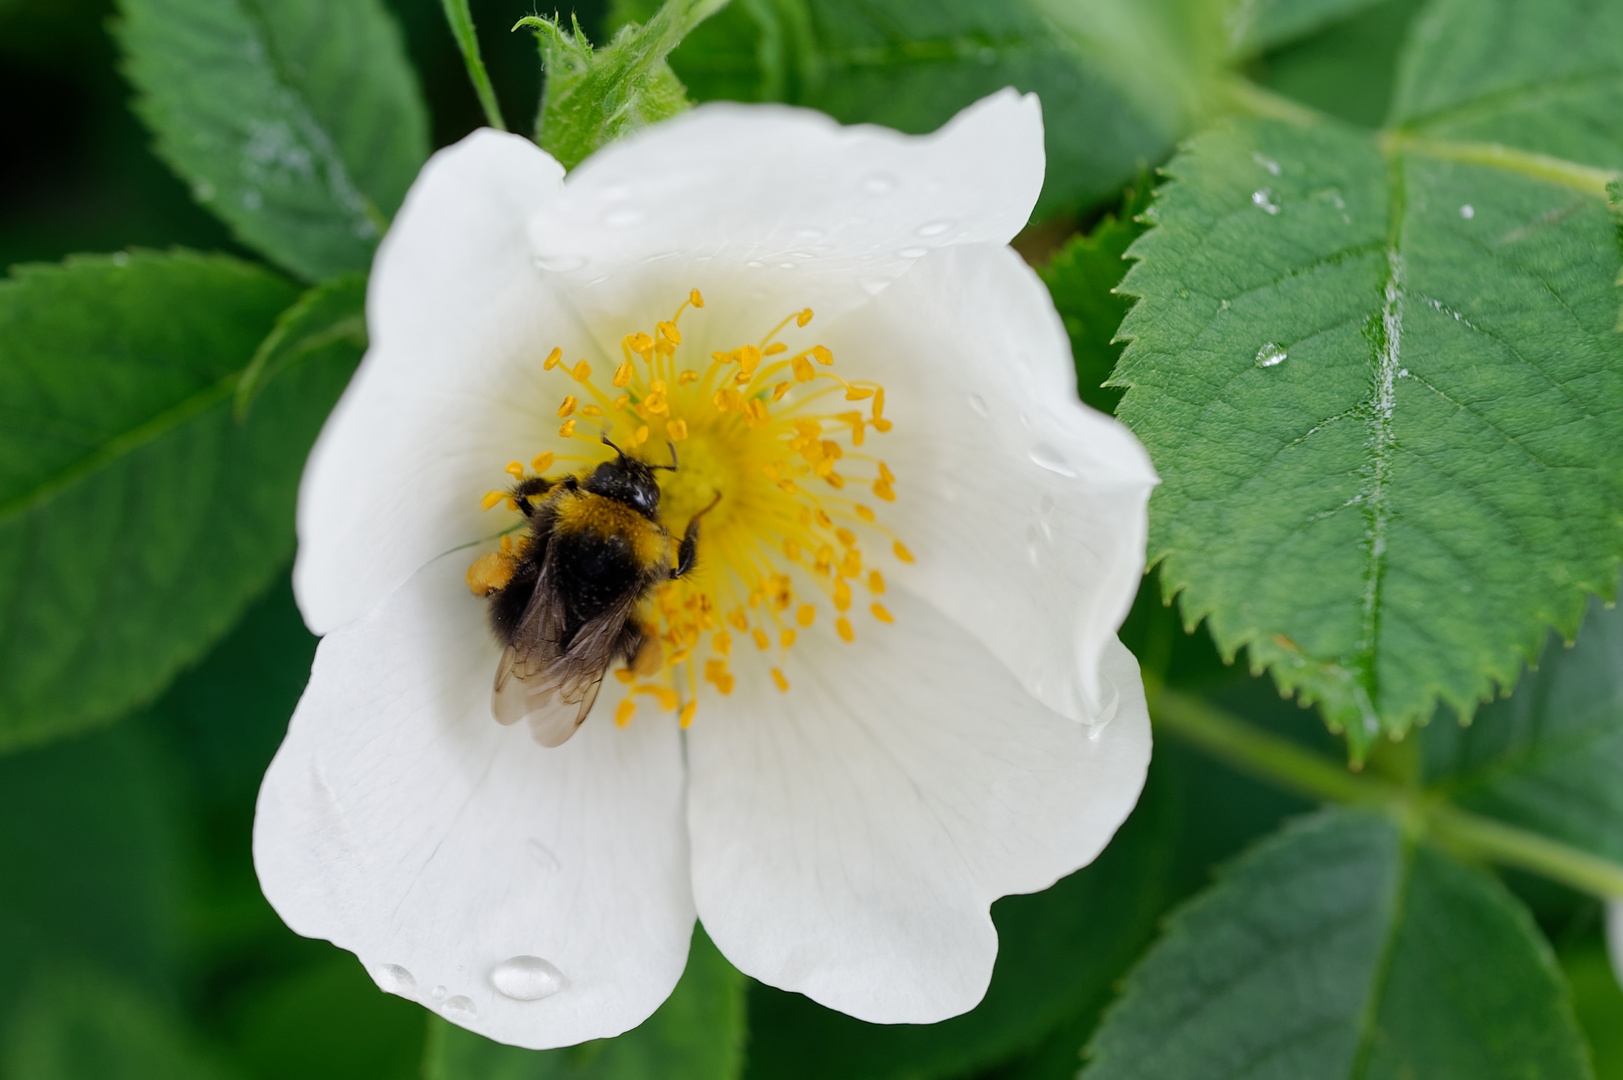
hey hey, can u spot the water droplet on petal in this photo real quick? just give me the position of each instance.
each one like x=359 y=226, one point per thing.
x=438 y=993
x=913 y=252
x=1270 y=355
x=978 y=403
x=1263 y=200
x=394 y=978
x=1467 y=211
x=1047 y=457
x=461 y=1006
x=874 y=285
x=755 y=264
x=527 y=978
x=934 y=228
x=559 y=261
x=878 y=183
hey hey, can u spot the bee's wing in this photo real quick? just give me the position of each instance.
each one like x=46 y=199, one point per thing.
x=554 y=688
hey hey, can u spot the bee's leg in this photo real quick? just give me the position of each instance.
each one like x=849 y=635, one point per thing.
x=688 y=553
x=640 y=648
x=528 y=488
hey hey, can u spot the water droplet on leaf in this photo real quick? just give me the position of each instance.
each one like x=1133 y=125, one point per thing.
x=1270 y=355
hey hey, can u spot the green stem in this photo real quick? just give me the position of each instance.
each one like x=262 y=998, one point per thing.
x=1285 y=764
x=1554 y=170
x=461 y=20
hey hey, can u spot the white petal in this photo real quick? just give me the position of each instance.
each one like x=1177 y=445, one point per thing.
x=456 y=312
x=849 y=836
x=765 y=202
x=1024 y=508
x=401 y=822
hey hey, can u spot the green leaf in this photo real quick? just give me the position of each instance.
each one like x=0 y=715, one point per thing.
x=1550 y=757
x=1378 y=375
x=1120 y=80
x=698 y=1034
x=298 y=122
x=331 y=313
x=1059 y=951
x=329 y=1022
x=1082 y=278
x=1598 y=1002
x=137 y=516
x=594 y=97
x=1255 y=25
x=1348 y=68
x=1340 y=949
x=78 y=1024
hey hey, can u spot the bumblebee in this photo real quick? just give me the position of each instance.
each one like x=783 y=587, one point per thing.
x=566 y=610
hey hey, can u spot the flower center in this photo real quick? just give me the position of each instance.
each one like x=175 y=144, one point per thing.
x=781 y=437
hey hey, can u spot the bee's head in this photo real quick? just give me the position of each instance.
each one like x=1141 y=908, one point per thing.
x=628 y=480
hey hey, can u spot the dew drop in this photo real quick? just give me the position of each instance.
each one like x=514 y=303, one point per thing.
x=873 y=286
x=560 y=261
x=978 y=403
x=1047 y=457
x=461 y=1006
x=527 y=978
x=934 y=228
x=755 y=264
x=1270 y=355
x=1263 y=199
x=622 y=217
x=438 y=993
x=879 y=183
x=394 y=978
x=1467 y=211
x=913 y=252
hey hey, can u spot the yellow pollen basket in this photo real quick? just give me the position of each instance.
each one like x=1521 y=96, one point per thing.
x=780 y=436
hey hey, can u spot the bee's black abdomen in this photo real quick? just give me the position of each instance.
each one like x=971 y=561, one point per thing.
x=507 y=605
x=594 y=573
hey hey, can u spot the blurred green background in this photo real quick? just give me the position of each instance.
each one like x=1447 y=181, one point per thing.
x=133 y=938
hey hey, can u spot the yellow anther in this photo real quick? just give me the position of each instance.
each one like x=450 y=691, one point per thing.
x=880 y=613
x=832 y=449
x=779 y=390
x=842 y=595
x=567 y=407
x=666 y=697
x=640 y=436
x=591 y=410
x=783 y=683
x=507 y=544
x=884 y=491
x=843 y=626
x=554 y=358
x=846 y=537
x=901 y=551
x=622 y=401
x=878 y=403
x=623 y=712
x=640 y=343
x=622 y=375
x=791 y=549
x=774 y=349
x=857 y=393
x=515 y=470
x=802 y=369
x=851 y=565
x=722 y=642
x=566 y=429
x=864 y=512
x=695 y=299
x=676 y=429
x=670 y=333
x=804 y=317
x=787 y=638
x=687 y=376
x=885 y=474
x=761 y=640
x=805 y=615
x=491 y=499
x=823 y=519
x=880 y=426
x=728 y=400
x=822 y=355
x=542 y=462
x=686 y=716
x=624 y=675
x=582 y=372
x=739 y=620
x=749 y=358
x=876 y=582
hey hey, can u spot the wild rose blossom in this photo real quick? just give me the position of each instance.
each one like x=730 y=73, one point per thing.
x=890 y=692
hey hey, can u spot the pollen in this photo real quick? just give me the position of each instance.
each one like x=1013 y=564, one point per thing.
x=767 y=437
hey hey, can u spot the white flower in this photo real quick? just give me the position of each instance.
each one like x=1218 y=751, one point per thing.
x=938 y=712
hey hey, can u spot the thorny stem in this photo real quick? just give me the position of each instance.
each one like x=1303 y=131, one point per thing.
x=1285 y=764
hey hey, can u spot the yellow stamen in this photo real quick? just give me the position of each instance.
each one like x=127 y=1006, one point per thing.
x=492 y=498
x=624 y=711
x=567 y=407
x=542 y=462
x=783 y=683
x=880 y=613
x=554 y=358
x=843 y=625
